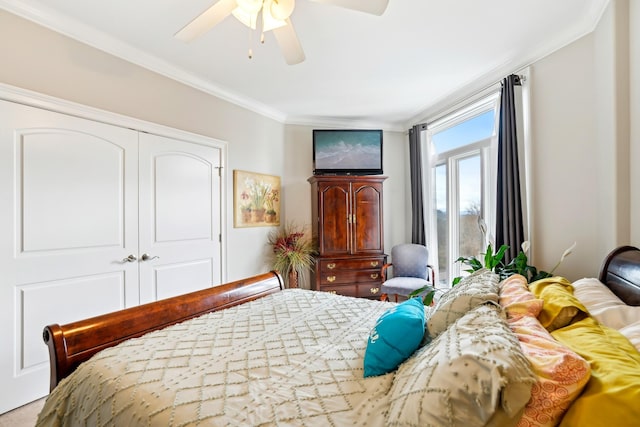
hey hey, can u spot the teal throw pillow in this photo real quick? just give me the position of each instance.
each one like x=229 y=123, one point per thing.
x=396 y=335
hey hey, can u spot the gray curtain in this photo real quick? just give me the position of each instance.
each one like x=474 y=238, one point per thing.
x=509 y=223
x=415 y=164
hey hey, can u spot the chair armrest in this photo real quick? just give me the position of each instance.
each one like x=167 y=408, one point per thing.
x=383 y=271
x=432 y=272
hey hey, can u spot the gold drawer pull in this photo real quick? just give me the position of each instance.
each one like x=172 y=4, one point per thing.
x=331 y=265
x=374 y=275
x=332 y=292
x=374 y=290
x=331 y=279
x=374 y=263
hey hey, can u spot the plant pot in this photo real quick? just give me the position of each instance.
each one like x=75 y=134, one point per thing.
x=257 y=215
x=270 y=217
x=293 y=279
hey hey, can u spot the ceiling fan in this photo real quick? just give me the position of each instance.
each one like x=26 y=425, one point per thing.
x=274 y=17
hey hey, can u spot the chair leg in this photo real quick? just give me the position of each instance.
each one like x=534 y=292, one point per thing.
x=385 y=297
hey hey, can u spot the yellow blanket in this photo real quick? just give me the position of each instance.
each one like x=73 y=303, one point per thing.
x=612 y=395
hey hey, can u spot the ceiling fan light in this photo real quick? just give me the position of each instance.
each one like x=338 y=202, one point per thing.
x=248 y=19
x=269 y=22
x=250 y=6
x=281 y=9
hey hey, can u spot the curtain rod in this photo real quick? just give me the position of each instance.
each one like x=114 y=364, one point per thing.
x=423 y=126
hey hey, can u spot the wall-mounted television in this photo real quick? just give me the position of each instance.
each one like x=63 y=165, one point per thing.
x=347 y=152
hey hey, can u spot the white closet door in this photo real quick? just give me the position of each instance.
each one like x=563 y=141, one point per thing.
x=68 y=218
x=179 y=217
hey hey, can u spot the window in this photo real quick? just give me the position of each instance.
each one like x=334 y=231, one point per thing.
x=460 y=188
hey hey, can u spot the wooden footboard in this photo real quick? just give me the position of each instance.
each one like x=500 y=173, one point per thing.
x=73 y=343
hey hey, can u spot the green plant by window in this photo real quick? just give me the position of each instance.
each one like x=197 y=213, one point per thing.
x=518 y=265
x=427 y=298
x=494 y=261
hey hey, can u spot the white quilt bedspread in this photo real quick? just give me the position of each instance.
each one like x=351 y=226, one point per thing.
x=293 y=358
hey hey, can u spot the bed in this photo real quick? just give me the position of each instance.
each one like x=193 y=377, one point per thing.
x=253 y=353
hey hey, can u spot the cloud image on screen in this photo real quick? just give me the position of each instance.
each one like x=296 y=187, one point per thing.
x=348 y=150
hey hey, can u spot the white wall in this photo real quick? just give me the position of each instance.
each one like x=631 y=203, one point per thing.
x=581 y=147
x=564 y=160
x=634 y=114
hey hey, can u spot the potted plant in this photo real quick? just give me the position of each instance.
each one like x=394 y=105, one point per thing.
x=518 y=265
x=293 y=252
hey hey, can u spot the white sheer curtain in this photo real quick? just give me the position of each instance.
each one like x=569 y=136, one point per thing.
x=429 y=208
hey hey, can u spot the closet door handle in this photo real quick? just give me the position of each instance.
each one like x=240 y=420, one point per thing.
x=147 y=257
x=130 y=258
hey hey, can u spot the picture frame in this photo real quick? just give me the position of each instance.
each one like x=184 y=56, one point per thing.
x=256 y=199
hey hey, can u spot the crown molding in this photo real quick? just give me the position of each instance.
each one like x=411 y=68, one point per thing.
x=340 y=123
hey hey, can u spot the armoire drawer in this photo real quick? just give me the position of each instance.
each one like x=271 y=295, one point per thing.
x=333 y=264
x=335 y=277
x=362 y=290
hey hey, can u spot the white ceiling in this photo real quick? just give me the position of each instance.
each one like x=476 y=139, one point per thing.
x=382 y=71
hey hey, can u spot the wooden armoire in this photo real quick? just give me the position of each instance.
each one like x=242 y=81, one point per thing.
x=347 y=222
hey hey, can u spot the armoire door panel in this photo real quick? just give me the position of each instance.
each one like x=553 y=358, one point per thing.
x=179 y=189
x=368 y=219
x=70 y=182
x=334 y=206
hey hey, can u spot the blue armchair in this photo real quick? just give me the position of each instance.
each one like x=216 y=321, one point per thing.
x=411 y=271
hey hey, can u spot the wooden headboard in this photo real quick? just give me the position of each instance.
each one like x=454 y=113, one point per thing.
x=621 y=273
x=73 y=343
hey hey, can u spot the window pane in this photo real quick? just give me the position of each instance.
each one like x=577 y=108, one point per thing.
x=442 y=222
x=470 y=206
x=467 y=132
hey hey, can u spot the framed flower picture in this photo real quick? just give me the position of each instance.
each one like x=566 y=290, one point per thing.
x=256 y=199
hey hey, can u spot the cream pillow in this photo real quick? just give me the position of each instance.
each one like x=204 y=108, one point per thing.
x=478 y=288
x=632 y=332
x=604 y=305
x=473 y=374
x=594 y=294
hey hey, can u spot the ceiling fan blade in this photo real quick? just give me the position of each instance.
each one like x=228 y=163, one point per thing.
x=206 y=20
x=374 y=7
x=289 y=43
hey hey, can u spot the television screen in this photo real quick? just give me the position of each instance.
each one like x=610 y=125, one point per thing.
x=347 y=152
